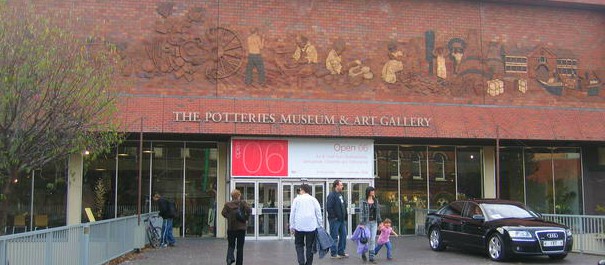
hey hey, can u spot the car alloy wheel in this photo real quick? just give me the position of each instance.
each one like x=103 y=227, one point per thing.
x=435 y=240
x=496 y=248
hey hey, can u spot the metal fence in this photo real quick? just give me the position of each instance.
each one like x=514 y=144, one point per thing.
x=420 y=217
x=588 y=230
x=90 y=243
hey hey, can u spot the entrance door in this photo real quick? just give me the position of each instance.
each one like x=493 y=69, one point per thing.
x=272 y=202
x=355 y=191
x=266 y=210
x=289 y=192
x=262 y=196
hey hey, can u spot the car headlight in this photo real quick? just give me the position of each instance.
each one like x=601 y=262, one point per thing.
x=568 y=232
x=519 y=234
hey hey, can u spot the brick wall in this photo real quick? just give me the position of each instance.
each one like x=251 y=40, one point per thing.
x=154 y=35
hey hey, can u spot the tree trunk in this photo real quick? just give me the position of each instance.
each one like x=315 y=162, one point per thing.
x=5 y=203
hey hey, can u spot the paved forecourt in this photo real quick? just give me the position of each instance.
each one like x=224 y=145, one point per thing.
x=413 y=250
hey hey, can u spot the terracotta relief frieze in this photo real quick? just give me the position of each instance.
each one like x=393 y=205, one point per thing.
x=247 y=60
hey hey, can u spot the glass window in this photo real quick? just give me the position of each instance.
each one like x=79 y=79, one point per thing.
x=41 y=205
x=472 y=209
x=553 y=178
x=512 y=185
x=167 y=169
x=442 y=175
x=418 y=166
x=357 y=194
x=539 y=180
x=594 y=179
x=413 y=188
x=247 y=190
x=439 y=160
x=452 y=209
x=98 y=186
x=127 y=178
x=500 y=211
x=50 y=194
x=110 y=185
x=387 y=183
x=200 y=186
x=469 y=170
x=386 y=162
x=568 y=181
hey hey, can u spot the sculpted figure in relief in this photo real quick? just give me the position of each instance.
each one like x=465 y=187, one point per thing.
x=334 y=59
x=255 y=44
x=305 y=51
x=440 y=54
x=393 y=65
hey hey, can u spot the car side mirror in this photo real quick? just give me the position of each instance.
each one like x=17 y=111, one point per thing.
x=478 y=217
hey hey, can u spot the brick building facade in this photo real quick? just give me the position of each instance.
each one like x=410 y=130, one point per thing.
x=171 y=52
x=495 y=75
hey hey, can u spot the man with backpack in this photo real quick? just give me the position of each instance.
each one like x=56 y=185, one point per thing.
x=168 y=213
x=237 y=213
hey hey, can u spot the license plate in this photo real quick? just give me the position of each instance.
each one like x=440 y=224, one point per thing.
x=553 y=243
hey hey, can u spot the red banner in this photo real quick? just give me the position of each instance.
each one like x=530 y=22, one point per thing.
x=254 y=157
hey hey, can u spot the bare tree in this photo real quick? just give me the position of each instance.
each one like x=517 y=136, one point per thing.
x=56 y=96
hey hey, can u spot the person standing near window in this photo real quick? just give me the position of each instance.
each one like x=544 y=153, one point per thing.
x=370 y=217
x=305 y=218
x=336 y=206
x=236 y=229
x=168 y=215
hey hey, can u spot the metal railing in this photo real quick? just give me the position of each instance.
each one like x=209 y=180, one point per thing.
x=420 y=217
x=89 y=243
x=588 y=230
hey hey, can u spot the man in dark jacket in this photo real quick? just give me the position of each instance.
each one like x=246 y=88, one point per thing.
x=236 y=229
x=167 y=214
x=337 y=217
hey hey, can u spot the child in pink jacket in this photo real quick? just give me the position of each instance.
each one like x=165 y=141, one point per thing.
x=383 y=239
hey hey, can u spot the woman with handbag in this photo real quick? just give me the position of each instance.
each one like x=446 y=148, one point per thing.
x=305 y=218
x=236 y=227
x=370 y=218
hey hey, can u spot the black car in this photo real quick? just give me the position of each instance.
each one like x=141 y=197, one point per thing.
x=502 y=228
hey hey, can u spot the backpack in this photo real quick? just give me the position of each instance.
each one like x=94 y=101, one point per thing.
x=241 y=214
x=172 y=212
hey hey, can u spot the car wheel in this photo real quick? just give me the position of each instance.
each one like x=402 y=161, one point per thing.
x=558 y=256
x=435 y=239
x=496 y=248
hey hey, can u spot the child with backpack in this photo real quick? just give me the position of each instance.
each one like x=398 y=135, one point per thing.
x=361 y=237
x=383 y=239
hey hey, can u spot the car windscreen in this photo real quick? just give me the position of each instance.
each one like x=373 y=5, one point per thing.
x=501 y=211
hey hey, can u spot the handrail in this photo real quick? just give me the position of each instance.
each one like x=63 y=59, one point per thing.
x=588 y=231
x=88 y=243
